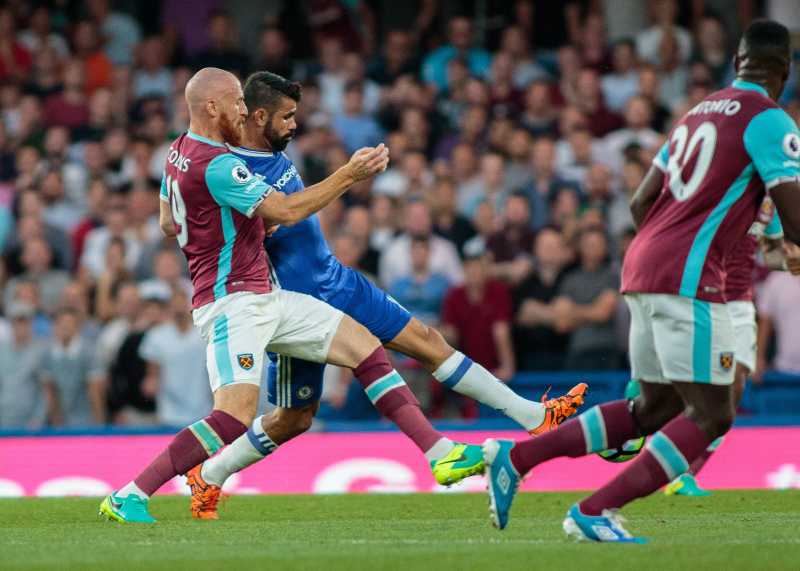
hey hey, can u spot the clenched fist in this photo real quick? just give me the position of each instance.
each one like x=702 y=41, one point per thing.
x=367 y=162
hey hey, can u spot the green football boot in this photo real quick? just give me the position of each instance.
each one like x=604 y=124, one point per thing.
x=685 y=485
x=463 y=461
x=130 y=509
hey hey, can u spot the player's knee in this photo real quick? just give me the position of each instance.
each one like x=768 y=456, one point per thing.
x=653 y=412
x=714 y=421
x=432 y=345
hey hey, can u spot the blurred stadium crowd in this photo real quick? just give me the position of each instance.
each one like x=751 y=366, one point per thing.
x=518 y=131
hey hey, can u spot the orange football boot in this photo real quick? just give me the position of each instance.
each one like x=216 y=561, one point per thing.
x=559 y=409
x=205 y=496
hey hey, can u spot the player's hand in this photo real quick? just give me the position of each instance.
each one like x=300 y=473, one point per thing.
x=270 y=230
x=367 y=162
x=791 y=254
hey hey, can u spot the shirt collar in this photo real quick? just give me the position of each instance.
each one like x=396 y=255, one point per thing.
x=205 y=140
x=747 y=85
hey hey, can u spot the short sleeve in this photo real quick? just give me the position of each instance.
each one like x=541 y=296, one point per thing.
x=773 y=142
x=774 y=229
x=149 y=348
x=662 y=157
x=232 y=184
x=164 y=194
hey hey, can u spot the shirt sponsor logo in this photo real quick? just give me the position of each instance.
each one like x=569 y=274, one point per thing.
x=727 y=106
x=178 y=160
x=287 y=175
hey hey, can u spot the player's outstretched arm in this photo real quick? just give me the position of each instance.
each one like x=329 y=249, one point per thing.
x=786 y=197
x=646 y=195
x=280 y=208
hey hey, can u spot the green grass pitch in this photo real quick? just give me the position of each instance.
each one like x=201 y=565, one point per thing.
x=748 y=530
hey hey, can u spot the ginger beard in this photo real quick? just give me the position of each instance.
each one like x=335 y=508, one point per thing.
x=232 y=128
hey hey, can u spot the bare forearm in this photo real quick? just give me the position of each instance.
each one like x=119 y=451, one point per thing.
x=300 y=205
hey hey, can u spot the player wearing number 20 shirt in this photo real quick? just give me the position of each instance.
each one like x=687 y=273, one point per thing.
x=718 y=162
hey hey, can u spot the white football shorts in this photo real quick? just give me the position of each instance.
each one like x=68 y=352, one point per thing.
x=239 y=327
x=676 y=338
x=745 y=330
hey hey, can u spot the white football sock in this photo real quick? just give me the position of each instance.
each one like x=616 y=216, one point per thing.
x=249 y=448
x=131 y=488
x=439 y=450
x=460 y=374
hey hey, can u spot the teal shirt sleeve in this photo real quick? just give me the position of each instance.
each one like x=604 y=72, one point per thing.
x=232 y=184
x=164 y=195
x=774 y=229
x=662 y=157
x=773 y=142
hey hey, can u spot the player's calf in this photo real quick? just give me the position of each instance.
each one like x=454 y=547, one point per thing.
x=287 y=423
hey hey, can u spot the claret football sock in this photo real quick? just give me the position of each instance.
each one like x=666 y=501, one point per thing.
x=391 y=396
x=604 y=426
x=190 y=447
x=249 y=448
x=666 y=456
x=701 y=460
x=460 y=374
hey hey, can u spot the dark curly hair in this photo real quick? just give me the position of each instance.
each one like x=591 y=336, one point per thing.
x=264 y=89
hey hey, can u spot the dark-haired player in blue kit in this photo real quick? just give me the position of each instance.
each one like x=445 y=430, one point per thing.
x=302 y=262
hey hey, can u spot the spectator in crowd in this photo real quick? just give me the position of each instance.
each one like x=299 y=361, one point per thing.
x=121 y=32
x=511 y=246
x=354 y=127
x=358 y=226
x=15 y=59
x=71 y=381
x=514 y=43
x=447 y=222
x=539 y=116
x=119 y=317
x=650 y=42
x=222 y=51
x=459 y=35
x=623 y=82
x=37 y=262
x=98 y=240
x=490 y=187
x=273 y=53
x=395 y=260
x=538 y=345
x=129 y=401
x=396 y=59
x=176 y=376
x=69 y=107
x=778 y=315
x=98 y=68
x=151 y=78
x=421 y=291
x=40 y=35
x=586 y=304
x=22 y=403
x=637 y=131
x=476 y=318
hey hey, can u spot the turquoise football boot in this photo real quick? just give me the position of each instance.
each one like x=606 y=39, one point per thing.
x=605 y=528
x=130 y=509
x=685 y=485
x=502 y=479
